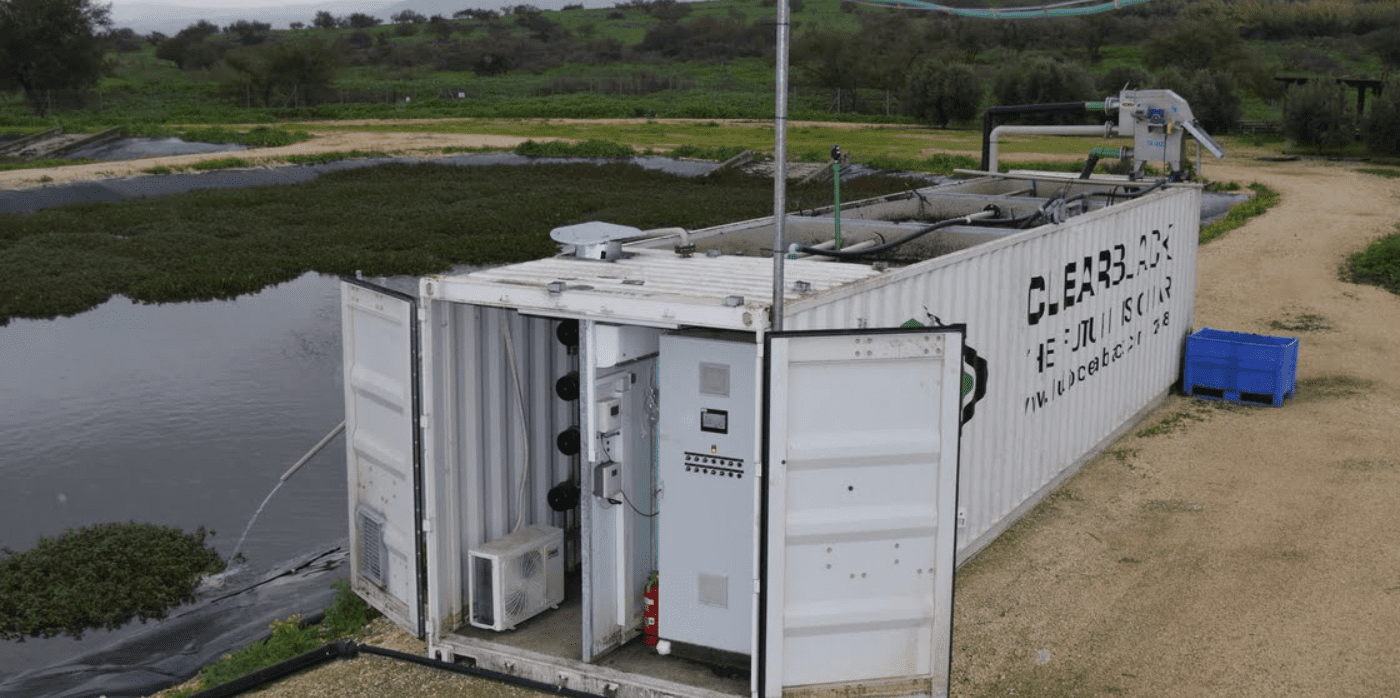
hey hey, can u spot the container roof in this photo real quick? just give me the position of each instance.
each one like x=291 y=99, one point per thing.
x=650 y=287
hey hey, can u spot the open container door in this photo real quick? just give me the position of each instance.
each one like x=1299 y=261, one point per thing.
x=379 y=332
x=856 y=549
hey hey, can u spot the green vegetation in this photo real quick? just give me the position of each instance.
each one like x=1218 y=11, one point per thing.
x=1332 y=386
x=219 y=164
x=324 y=158
x=389 y=219
x=100 y=576
x=1189 y=411
x=1389 y=172
x=713 y=60
x=346 y=616
x=257 y=137
x=46 y=162
x=48 y=45
x=586 y=149
x=1378 y=264
x=1264 y=199
x=1302 y=322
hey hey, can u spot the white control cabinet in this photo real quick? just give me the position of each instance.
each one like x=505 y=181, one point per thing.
x=709 y=404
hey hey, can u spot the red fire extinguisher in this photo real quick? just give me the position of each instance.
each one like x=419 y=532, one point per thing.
x=651 y=614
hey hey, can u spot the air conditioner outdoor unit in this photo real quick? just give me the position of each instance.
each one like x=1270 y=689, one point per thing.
x=513 y=579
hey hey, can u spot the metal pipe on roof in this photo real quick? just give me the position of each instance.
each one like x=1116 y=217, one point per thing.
x=780 y=165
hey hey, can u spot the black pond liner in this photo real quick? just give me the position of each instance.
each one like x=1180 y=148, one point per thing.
x=146 y=658
x=135 y=148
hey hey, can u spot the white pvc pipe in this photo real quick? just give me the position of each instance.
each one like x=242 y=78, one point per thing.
x=1106 y=130
x=666 y=232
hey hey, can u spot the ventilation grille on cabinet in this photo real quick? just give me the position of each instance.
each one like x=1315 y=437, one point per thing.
x=373 y=554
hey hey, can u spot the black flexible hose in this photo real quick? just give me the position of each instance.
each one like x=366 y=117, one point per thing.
x=478 y=672
x=281 y=670
x=883 y=246
x=1089 y=164
x=348 y=649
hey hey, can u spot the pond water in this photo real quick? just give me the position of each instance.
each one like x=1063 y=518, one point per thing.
x=185 y=415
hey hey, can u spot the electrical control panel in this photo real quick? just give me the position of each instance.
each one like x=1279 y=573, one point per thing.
x=709 y=407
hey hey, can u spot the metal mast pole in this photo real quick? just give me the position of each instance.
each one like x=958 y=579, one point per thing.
x=780 y=164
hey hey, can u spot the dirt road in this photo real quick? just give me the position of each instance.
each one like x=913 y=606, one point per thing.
x=1217 y=550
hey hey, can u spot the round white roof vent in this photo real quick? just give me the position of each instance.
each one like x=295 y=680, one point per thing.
x=595 y=239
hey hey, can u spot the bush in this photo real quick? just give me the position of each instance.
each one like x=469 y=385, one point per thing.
x=1121 y=77
x=940 y=92
x=1212 y=96
x=1043 y=81
x=346 y=615
x=1195 y=44
x=588 y=149
x=1378 y=264
x=1314 y=114
x=100 y=576
x=1381 y=128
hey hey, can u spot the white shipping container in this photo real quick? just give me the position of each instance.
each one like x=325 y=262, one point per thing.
x=805 y=495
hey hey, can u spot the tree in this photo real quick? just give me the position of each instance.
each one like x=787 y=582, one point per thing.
x=831 y=59
x=1315 y=114
x=1381 y=128
x=1043 y=81
x=1193 y=45
x=1213 y=100
x=282 y=73
x=1385 y=43
x=191 y=49
x=50 y=45
x=441 y=27
x=940 y=92
x=360 y=20
x=407 y=17
x=249 y=33
x=123 y=40
x=1123 y=77
x=482 y=15
x=325 y=20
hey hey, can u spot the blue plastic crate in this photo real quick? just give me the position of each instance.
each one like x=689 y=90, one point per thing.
x=1245 y=368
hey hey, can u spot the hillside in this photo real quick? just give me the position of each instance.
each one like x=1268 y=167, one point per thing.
x=714 y=60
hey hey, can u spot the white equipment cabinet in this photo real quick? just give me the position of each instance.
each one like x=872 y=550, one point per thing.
x=709 y=458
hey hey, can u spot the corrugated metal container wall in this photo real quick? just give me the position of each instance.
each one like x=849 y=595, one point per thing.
x=1083 y=325
x=479 y=444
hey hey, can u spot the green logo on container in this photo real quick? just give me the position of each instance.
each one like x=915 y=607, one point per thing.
x=968 y=382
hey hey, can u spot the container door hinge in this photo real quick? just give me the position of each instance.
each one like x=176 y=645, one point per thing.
x=427 y=526
x=962 y=517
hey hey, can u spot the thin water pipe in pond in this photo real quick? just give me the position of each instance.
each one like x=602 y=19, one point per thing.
x=286 y=476
x=836 y=180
